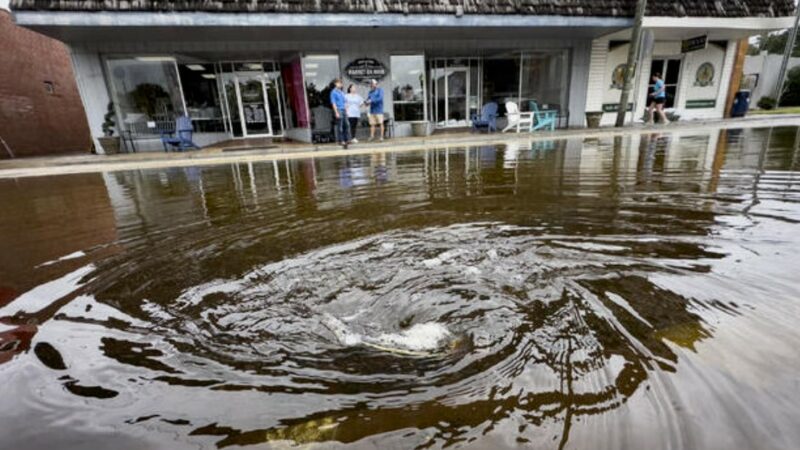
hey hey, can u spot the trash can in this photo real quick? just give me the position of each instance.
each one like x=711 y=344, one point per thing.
x=741 y=103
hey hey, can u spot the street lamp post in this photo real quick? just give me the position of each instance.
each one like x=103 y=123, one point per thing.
x=787 y=53
x=630 y=67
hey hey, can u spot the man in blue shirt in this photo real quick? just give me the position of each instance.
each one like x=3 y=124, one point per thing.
x=341 y=125
x=658 y=97
x=375 y=102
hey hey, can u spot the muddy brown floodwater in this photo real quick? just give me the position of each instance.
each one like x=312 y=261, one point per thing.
x=630 y=292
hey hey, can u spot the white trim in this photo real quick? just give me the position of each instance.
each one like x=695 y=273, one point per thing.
x=732 y=23
x=271 y=20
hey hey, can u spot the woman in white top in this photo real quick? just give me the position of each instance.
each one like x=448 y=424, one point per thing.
x=353 y=103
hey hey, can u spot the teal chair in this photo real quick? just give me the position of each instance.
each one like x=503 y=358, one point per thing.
x=543 y=119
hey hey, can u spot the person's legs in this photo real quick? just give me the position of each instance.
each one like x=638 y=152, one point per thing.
x=650 y=109
x=345 y=131
x=353 y=128
x=337 y=130
x=662 y=114
x=383 y=131
x=371 y=127
x=341 y=131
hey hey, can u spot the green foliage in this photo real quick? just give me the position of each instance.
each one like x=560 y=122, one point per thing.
x=772 y=43
x=148 y=96
x=109 y=120
x=767 y=103
x=317 y=97
x=791 y=92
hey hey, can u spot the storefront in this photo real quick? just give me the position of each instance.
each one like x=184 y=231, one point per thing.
x=267 y=73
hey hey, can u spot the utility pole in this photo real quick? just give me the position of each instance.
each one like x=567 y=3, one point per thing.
x=787 y=53
x=633 y=56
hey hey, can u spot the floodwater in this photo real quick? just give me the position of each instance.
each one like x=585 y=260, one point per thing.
x=630 y=292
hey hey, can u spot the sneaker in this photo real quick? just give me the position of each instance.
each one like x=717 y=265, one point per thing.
x=371 y=139
x=354 y=141
x=344 y=145
x=381 y=138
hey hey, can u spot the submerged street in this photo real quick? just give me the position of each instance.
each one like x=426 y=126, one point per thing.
x=592 y=292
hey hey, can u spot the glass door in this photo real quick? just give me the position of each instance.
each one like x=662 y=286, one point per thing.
x=253 y=105
x=252 y=98
x=454 y=91
x=457 y=88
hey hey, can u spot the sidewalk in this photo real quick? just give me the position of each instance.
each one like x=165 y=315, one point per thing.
x=53 y=165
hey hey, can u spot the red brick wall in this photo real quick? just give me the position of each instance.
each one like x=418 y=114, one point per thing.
x=34 y=122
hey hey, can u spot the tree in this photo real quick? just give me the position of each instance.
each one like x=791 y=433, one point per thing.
x=774 y=43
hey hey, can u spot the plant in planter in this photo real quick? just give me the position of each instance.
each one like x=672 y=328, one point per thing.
x=109 y=142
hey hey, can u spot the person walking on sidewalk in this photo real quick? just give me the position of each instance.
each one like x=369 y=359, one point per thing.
x=657 y=100
x=342 y=126
x=375 y=102
x=353 y=103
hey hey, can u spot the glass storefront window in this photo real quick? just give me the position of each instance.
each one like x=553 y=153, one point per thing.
x=319 y=72
x=501 y=79
x=146 y=94
x=200 y=91
x=408 y=87
x=544 y=80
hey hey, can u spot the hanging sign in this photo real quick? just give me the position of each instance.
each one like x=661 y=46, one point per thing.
x=694 y=44
x=365 y=69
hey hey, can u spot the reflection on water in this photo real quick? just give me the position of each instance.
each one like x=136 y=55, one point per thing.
x=565 y=294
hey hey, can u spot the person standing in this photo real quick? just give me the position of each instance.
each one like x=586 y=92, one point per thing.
x=375 y=101
x=353 y=103
x=342 y=126
x=658 y=97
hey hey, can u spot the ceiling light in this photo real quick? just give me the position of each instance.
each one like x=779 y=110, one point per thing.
x=196 y=67
x=154 y=58
x=210 y=76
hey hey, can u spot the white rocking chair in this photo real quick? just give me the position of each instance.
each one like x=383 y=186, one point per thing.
x=517 y=119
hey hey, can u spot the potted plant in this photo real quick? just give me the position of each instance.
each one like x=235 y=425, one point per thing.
x=593 y=118
x=109 y=142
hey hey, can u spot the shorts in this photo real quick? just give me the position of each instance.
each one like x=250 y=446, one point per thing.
x=376 y=119
x=659 y=100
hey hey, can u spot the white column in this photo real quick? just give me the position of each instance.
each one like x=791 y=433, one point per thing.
x=88 y=68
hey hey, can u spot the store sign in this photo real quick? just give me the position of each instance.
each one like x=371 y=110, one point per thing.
x=365 y=69
x=701 y=104
x=694 y=44
x=614 y=107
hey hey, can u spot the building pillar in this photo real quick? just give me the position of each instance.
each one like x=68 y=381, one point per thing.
x=88 y=68
x=736 y=75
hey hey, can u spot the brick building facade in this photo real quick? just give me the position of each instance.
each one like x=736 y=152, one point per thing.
x=40 y=108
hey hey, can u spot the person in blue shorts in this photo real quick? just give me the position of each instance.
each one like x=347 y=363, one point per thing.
x=658 y=96
x=342 y=126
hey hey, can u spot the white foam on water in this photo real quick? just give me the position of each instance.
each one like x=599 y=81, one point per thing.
x=427 y=336
x=340 y=331
x=422 y=337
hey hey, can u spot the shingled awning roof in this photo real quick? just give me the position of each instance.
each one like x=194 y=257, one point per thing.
x=596 y=8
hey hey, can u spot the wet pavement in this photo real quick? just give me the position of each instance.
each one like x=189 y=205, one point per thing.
x=634 y=291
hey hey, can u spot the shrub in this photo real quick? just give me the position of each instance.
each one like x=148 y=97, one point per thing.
x=791 y=90
x=109 y=120
x=766 y=103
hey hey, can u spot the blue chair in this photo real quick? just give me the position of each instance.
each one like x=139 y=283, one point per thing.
x=181 y=139
x=543 y=118
x=487 y=120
